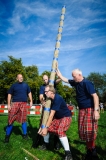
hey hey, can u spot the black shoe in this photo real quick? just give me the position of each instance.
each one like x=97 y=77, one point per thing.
x=68 y=155
x=25 y=136
x=88 y=155
x=44 y=146
x=94 y=153
x=6 y=140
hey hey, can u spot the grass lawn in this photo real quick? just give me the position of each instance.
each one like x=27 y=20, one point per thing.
x=14 y=151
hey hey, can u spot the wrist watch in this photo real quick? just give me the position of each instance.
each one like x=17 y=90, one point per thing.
x=47 y=127
x=97 y=109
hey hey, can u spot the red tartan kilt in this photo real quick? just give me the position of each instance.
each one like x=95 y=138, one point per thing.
x=87 y=125
x=60 y=126
x=18 y=112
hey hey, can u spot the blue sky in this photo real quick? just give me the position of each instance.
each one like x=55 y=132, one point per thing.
x=28 y=30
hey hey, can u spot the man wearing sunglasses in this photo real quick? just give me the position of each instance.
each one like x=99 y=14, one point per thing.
x=59 y=120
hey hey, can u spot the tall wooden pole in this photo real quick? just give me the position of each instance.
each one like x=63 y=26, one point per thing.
x=54 y=65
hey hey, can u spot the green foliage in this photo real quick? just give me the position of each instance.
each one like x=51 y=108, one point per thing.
x=100 y=84
x=33 y=80
x=46 y=72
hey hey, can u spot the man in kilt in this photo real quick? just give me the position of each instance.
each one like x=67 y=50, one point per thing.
x=42 y=98
x=88 y=103
x=17 y=110
x=59 y=120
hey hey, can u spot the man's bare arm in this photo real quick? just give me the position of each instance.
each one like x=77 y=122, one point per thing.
x=44 y=131
x=30 y=98
x=9 y=101
x=61 y=77
x=58 y=80
x=41 y=98
x=96 y=101
x=96 y=106
x=50 y=118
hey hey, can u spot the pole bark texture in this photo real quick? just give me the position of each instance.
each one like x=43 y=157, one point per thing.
x=54 y=65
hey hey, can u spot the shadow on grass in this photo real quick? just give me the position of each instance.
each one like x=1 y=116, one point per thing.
x=102 y=126
x=101 y=152
x=16 y=130
x=33 y=134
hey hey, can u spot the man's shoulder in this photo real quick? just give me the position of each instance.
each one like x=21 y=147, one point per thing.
x=42 y=86
x=87 y=81
x=88 y=85
x=14 y=84
x=58 y=97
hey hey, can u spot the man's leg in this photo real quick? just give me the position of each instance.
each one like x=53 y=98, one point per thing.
x=45 y=145
x=65 y=144
x=89 y=135
x=8 y=132
x=91 y=148
x=24 y=129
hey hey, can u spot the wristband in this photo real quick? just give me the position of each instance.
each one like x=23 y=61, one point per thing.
x=43 y=126
x=47 y=109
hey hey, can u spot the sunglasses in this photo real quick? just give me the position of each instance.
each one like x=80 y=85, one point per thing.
x=47 y=91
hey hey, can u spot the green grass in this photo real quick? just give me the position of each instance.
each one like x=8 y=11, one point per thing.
x=13 y=150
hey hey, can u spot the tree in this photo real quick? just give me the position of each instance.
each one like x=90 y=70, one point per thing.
x=8 y=72
x=104 y=90
x=99 y=83
x=34 y=81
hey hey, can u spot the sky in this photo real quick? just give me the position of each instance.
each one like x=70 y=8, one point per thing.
x=28 y=30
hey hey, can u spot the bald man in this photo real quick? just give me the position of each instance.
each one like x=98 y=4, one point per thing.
x=42 y=88
x=17 y=110
x=88 y=103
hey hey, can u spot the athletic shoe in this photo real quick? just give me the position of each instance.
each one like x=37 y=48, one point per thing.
x=68 y=155
x=6 y=140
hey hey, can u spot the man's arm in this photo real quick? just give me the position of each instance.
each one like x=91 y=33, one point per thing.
x=96 y=106
x=9 y=101
x=58 y=80
x=96 y=101
x=41 y=98
x=43 y=132
x=50 y=118
x=30 y=98
x=61 y=77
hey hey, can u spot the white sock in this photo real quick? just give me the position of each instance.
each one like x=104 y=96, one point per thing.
x=65 y=144
x=46 y=138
